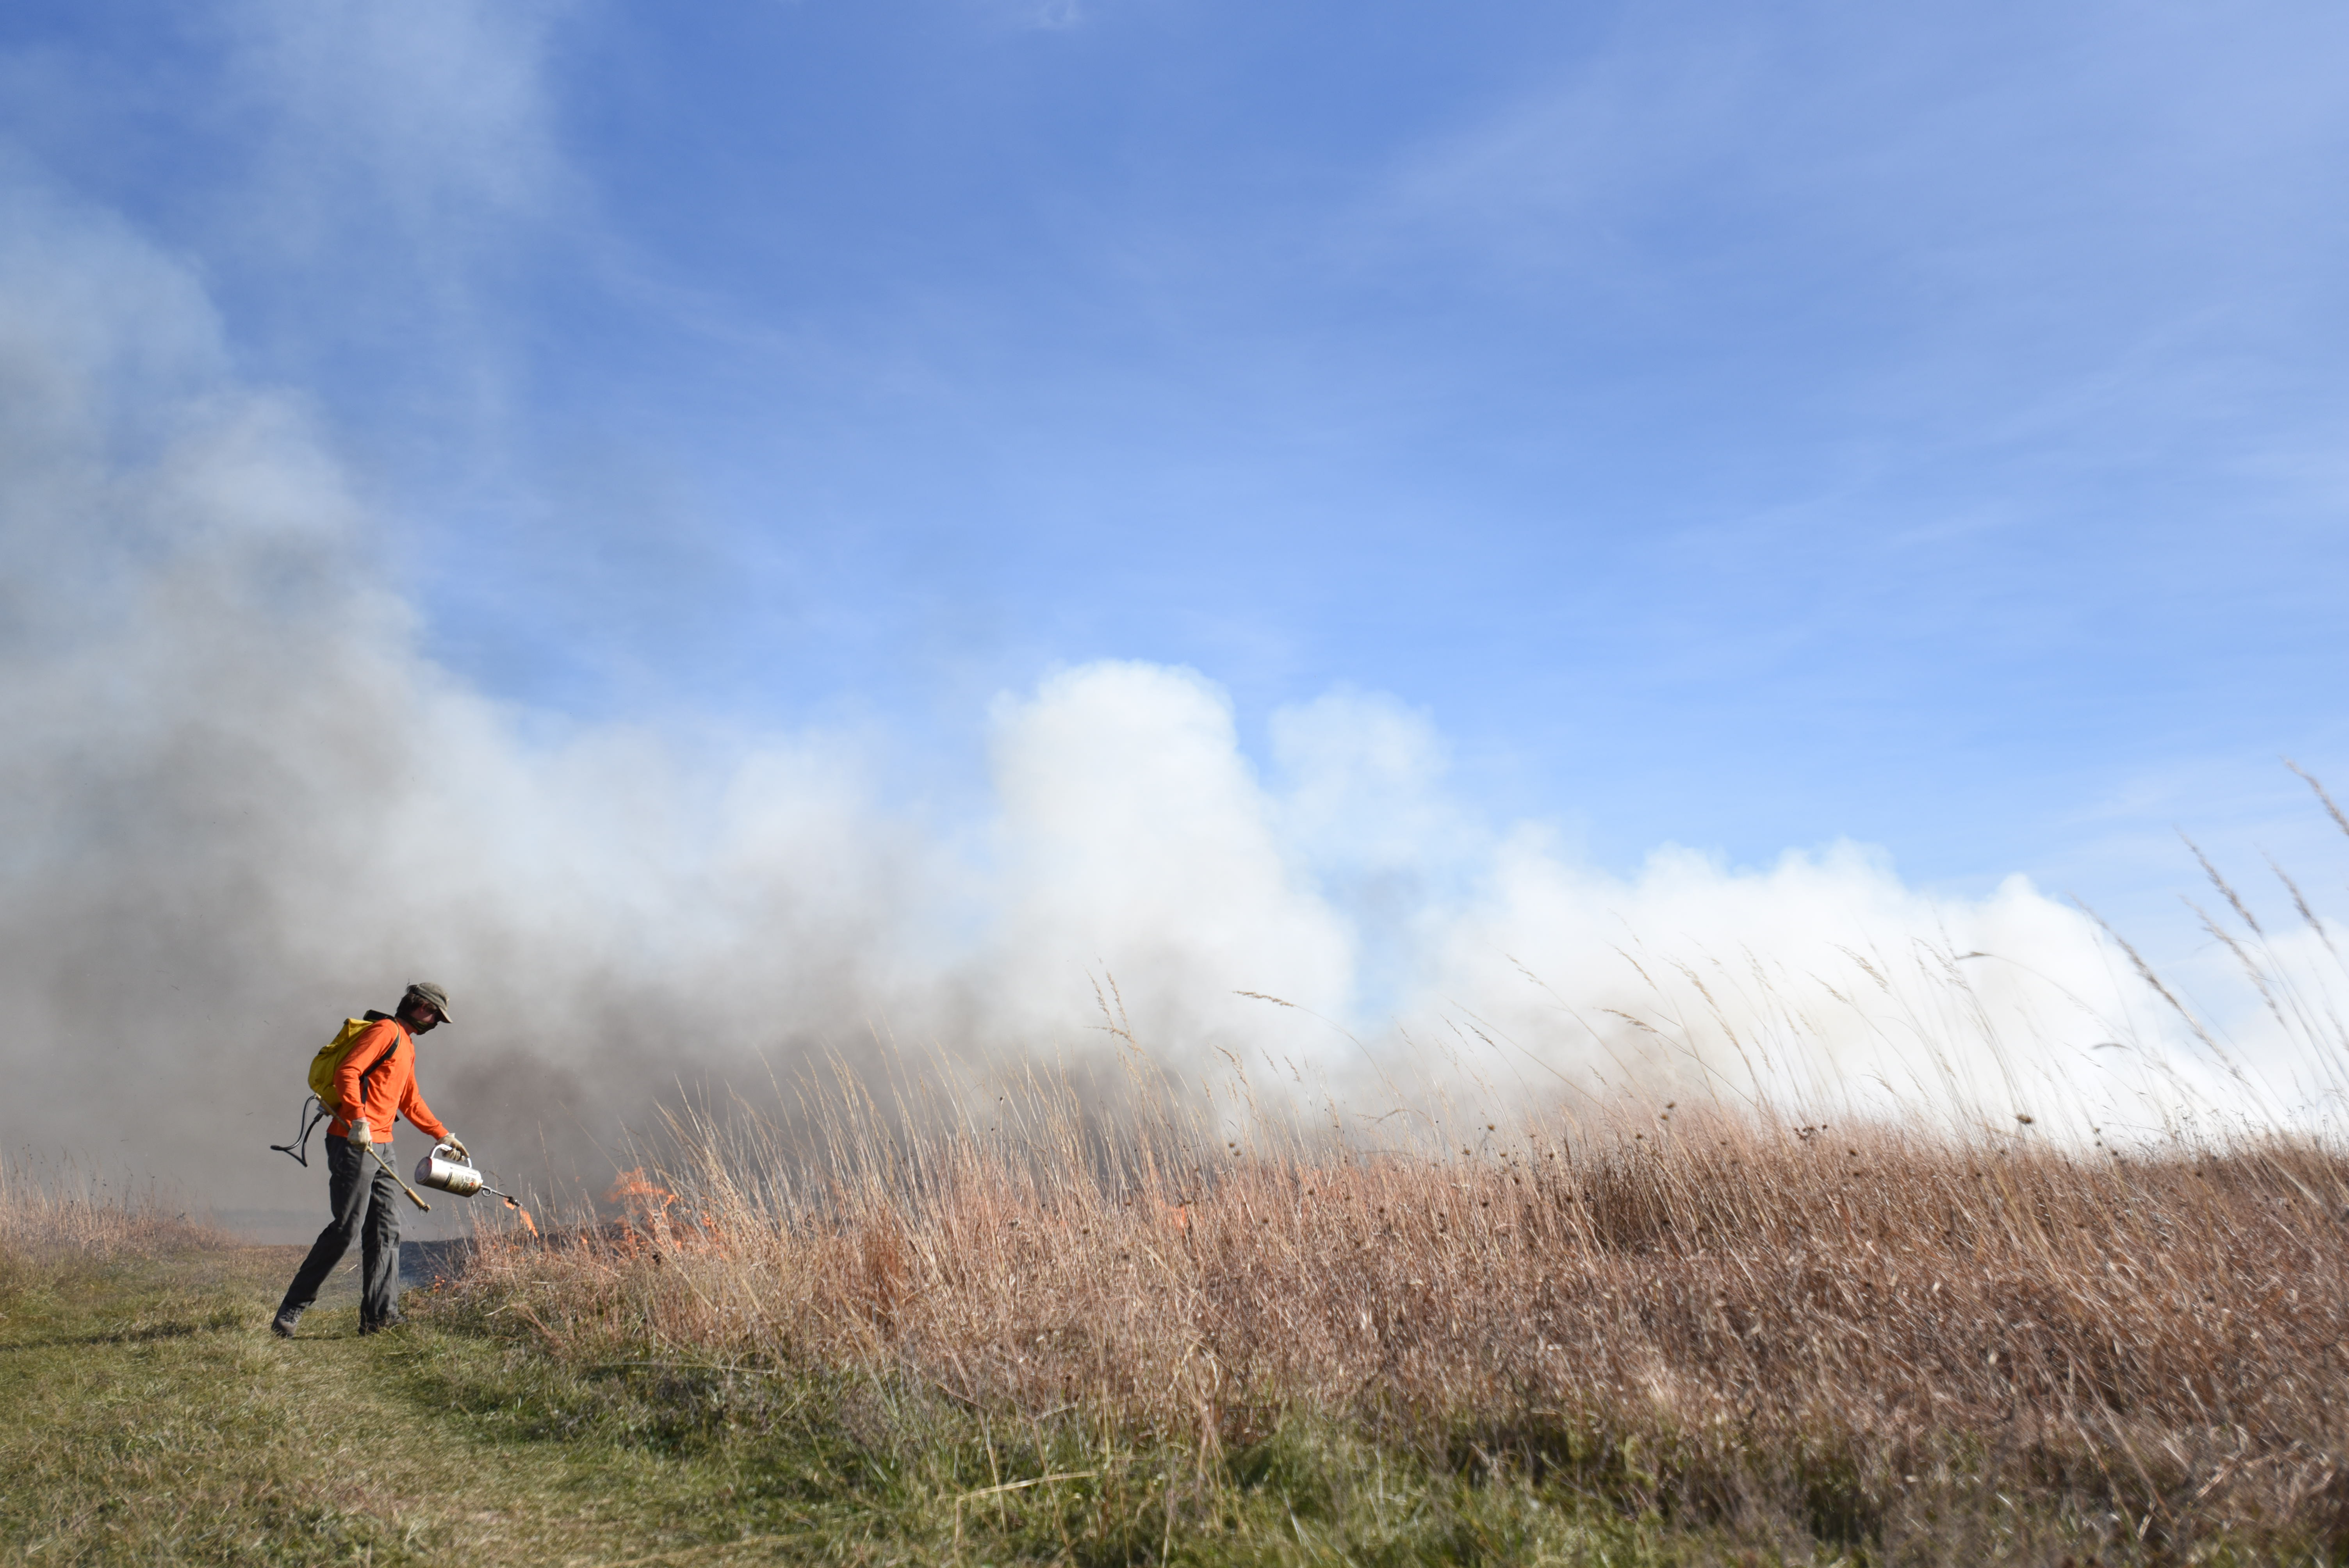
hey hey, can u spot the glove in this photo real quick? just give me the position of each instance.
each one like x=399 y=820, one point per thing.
x=361 y=1133
x=453 y=1141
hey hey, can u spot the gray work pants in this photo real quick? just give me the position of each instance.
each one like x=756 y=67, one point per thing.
x=362 y=1192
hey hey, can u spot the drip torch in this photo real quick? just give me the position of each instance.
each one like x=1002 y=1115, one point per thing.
x=451 y=1172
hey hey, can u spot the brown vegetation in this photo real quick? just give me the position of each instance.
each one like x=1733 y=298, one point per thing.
x=1860 y=1333
x=48 y=1215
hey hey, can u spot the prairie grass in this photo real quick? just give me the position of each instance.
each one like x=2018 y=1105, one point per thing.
x=58 y=1220
x=1812 y=1336
x=147 y=1415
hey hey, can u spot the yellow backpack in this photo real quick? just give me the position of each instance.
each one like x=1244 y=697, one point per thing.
x=323 y=1067
x=329 y=1059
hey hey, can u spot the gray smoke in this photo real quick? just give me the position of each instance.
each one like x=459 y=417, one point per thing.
x=241 y=803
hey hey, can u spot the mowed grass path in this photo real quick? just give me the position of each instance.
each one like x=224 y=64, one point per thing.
x=146 y=1415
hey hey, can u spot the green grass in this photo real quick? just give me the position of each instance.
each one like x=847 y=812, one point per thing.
x=146 y=1415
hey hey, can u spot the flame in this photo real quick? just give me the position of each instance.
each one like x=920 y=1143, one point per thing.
x=527 y=1222
x=633 y=1188
x=647 y=1202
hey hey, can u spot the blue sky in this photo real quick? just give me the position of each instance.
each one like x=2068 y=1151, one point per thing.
x=1922 y=424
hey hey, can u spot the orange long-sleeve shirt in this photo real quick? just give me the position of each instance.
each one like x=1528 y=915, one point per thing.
x=385 y=1057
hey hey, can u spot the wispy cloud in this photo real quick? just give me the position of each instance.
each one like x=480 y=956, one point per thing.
x=431 y=124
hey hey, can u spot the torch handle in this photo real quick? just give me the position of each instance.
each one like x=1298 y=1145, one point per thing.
x=404 y=1187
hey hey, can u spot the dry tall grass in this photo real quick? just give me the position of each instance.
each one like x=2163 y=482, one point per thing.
x=46 y=1214
x=1854 y=1332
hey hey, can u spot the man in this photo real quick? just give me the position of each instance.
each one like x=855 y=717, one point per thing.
x=375 y=1084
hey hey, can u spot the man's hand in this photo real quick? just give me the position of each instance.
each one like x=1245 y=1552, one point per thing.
x=361 y=1133
x=457 y=1143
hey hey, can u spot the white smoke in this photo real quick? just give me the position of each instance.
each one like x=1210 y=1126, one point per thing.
x=1136 y=840
x=243 y=801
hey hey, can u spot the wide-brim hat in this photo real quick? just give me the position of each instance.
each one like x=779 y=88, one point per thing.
x=431 y=996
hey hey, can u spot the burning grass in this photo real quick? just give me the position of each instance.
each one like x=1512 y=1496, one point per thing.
x=1856 y=1336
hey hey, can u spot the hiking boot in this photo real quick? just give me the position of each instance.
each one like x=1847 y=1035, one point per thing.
x=282 y=1324
x=394 y=1321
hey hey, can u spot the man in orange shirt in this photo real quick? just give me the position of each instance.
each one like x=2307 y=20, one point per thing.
x=374 y=1084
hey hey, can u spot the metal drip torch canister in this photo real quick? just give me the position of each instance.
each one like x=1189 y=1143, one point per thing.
x=449 y=1171
x=445 y=1169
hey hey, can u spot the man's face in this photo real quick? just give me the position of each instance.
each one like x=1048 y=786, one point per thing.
x=420 y=1016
